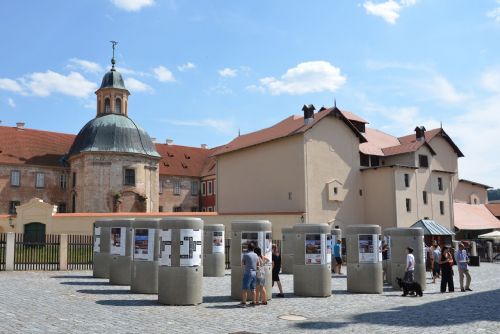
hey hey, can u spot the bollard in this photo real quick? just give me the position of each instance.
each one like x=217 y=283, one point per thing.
x=145 y=254
x=214 y=257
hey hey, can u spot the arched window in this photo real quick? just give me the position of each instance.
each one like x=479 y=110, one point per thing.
x=107 y=105
x=118 y=106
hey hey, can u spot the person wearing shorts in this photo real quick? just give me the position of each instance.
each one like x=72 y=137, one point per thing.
x=249 y=263
x=337 y=254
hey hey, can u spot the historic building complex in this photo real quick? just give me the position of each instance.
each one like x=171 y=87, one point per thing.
x=326 y=167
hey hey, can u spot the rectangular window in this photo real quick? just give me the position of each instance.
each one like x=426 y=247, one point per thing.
x=195 y=187
x=160 y=208
x=364 y=160
x=424 y=196
x=440 y=183
x=129 y=177
x=15 y=178
x=63 y=180
x=423 y=162
x=374 y=160
x=194 y=209
x=177 y=209
x=12 y=207
x=408 y=205
x=61 y=207
x=160 y=187
x=177 y=188
x=203 y=188
x=407 y=180
x=441 y=207
x=74 y=180
x=39 y=180
x=215 y=187
x=209 y=188
x=210 y=209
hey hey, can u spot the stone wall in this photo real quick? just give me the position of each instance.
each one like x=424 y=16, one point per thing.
x=184 y=200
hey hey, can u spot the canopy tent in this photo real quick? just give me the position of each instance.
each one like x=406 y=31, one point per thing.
x=491 y=235
x=432 y=228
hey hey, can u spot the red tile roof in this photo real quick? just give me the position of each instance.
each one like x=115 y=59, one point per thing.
x=431 y=134
x=33 y=147
x=288 y=127
x=494 y=208
x=182 y=160
x=474 y=217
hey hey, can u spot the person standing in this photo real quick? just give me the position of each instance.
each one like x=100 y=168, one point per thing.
x=276 y=270
x=410 y=266
x=436 y=270
x=446 y=263
x=337 y=254
x=463 y=267
x=261 y=277
x=249 y=264
x=385 y=257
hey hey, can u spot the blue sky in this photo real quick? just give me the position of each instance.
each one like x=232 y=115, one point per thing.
x=199 y=71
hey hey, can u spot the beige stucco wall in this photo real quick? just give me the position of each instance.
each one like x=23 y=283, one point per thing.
x=405 y=218
x=260 y=178
x=466 y=192
x=331 y=154
x=379 y=197
x=100 y=176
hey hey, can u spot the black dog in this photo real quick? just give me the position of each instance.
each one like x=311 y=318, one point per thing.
x=409 y=287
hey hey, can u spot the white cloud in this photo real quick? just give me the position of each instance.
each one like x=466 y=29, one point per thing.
x=135 y=85
x=308 y=77
x=129 y=71
x=85 y=65
x=132 y=5
x=220 y=89
x=442 y=90
x=47 y=83
x=228 y=72
x=388 y=10
x=163 y=74
x=222 y=126
x=185 y=67
x=10 y=85
x=490 y=80
x=11 y=102
x=495 y=13
x=255 y=89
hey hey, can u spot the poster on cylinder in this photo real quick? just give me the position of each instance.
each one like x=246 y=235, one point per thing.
x=118 y=239
x=268 y=247
x=315 y=252
x=97 y=239
x=143 y=244
x=166 y=248
x=218 y=242
x=190 y=247
x=368 y=248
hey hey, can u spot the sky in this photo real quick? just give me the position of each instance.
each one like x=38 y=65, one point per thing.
x=199 y=72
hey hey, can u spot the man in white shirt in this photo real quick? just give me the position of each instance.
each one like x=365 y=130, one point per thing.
x=410 y=265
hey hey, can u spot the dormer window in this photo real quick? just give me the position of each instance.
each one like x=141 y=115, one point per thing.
x=118 y=106
x=107 y=105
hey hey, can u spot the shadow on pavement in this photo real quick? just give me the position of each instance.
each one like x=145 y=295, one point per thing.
x=229 y=306
x=73 y=276
x=128 y=302
x=85 y=283
x=104 y=292
x=466 y=308
x=217 y=299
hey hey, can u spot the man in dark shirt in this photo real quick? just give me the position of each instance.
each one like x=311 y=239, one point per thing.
x=277 y=269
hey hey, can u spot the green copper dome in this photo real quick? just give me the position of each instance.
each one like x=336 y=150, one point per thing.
x=113 y=133
x=113 y=79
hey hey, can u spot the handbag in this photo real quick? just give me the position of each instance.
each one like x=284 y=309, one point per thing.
x=260 y=271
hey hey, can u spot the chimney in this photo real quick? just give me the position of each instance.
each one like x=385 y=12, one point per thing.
x=420 y=133
x=308 y=113
x=169 y=141
x=205 y=146
x=20 y=125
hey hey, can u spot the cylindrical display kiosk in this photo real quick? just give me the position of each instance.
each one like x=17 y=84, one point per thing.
x=102 y=258
x=336 y=235
x=244 y=232
x=401 y=239
x=387 y=264
x=364 y=259
x=120 y=249
x=214 y=257
x=287 y=241
x=146 y=246
x=312 y=260
x=180 y=275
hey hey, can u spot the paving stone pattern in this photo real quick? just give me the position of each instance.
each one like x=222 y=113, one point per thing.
x=74 y=302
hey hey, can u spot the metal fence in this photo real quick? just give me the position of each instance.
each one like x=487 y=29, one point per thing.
x=80 y=252
x=38 y=254
x=3 y=243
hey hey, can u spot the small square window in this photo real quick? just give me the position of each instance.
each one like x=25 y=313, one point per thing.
x=209 y=188
x=15 y=178
x=12 y=207
x=423 y=161
x=129 y=177
x=195 y=187
x=61 y=207
x=335 y=190
x=177 y=188
x=160 y=208
x=40 y=180
x=408 y=205
x=203 y=188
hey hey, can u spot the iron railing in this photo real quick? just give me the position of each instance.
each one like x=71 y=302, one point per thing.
x=80 y=252
x=36 y=255
x=3 y=243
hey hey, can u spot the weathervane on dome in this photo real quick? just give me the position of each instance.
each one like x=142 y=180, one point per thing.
x=113 y=62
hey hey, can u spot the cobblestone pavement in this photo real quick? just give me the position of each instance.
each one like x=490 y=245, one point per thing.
x=74 y=302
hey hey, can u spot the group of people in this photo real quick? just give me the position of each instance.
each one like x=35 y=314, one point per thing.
x=254 y=275
x=442 y=262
